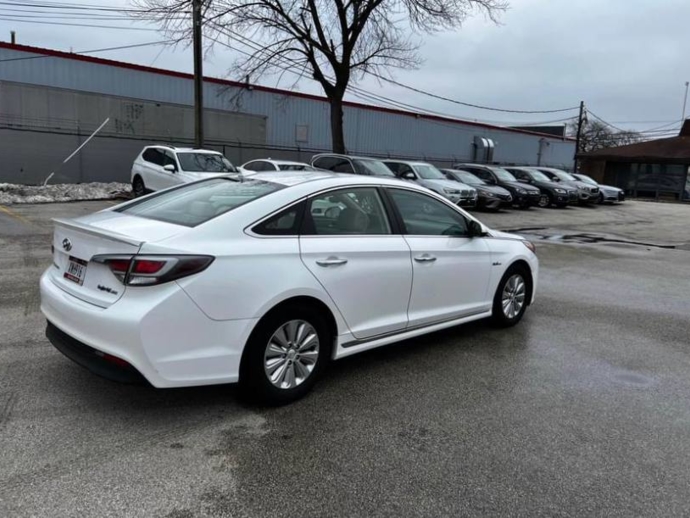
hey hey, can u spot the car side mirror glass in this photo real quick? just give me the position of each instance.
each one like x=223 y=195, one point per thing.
x=408 y=175
x=170 y=168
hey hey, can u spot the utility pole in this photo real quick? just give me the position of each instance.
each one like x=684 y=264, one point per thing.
x=580 y=121
x=198 y=75
x=685 y=101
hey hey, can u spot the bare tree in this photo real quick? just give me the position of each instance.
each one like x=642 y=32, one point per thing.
x=335 y=42
x=597 y=135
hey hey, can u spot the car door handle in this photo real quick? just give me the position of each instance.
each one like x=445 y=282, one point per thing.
x=331 y=261
x=425 y=258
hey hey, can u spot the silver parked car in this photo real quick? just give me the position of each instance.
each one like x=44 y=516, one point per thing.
x=607 y=193
x=432 y=178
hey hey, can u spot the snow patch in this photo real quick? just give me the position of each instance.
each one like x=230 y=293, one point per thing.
x=14 y=194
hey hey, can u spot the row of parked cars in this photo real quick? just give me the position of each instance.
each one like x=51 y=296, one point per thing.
x=481 y=186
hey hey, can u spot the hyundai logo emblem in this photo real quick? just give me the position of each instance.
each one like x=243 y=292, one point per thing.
x=67 y=244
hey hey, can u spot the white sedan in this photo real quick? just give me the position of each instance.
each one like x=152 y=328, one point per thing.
x=263 y=280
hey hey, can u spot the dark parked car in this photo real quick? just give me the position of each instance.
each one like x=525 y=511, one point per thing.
x=587 y=193
x=552 y=193
x=351 y=164
x=524 y=195
x=491 y=197
x=607 y=193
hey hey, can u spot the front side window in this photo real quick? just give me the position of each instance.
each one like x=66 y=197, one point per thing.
x=196 y=203
x=169 y=159
x=205 y=163
x=423 y=215
x=356 y=211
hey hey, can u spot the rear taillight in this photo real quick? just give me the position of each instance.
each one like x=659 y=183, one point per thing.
x=148 y=270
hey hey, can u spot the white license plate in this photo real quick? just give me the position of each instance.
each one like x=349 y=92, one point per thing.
x=76 y=270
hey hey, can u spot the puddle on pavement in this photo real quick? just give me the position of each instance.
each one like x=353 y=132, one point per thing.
x=584 y=238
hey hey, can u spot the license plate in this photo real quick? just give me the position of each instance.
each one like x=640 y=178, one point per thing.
x=76 y=270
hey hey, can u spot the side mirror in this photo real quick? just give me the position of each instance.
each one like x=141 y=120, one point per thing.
x=474 y=229
x=408 y=175
x=170 y=168
x=490 y=180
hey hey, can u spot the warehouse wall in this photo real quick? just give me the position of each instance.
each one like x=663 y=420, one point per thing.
x=157 y=105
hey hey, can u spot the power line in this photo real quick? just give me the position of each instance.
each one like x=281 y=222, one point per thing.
x=81 y=25
x=75 y=7
x=463 y=103
x=93 y=51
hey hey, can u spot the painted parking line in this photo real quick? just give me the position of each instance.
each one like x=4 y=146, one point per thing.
x=14 y=215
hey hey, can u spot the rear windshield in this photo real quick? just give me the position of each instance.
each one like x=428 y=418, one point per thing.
x=198 y=202
x=205 y=163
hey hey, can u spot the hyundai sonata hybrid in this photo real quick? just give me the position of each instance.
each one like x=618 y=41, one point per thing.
x=250 y=280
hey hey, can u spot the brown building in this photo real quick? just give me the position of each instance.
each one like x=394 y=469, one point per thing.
x=656 y=169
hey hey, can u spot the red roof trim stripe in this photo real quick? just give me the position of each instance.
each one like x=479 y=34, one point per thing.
x=226 y=82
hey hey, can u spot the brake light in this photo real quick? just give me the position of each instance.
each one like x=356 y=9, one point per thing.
x=149 y=270
x=147 y=266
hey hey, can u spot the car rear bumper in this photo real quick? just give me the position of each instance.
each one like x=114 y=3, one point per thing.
x=156 y=330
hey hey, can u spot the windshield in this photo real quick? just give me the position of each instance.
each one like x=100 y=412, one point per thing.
x=295 y=167
x=376 y=168
x=539 y=176
x=428 y=172
x=503 y=175
x=586 y=179
x=563 y=175
x=468 y=178
x=205 y=163
x=198 y=202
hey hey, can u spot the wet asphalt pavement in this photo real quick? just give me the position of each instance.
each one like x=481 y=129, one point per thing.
x=581 y=410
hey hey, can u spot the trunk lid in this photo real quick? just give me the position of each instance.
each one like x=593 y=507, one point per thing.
x=77 y=241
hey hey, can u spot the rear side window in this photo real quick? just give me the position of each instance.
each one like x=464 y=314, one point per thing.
x=285 y=223
x=153 y=155
x=196 y=203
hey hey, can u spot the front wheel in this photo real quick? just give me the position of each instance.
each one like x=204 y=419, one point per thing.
x=510 y=301
x=285 y=356
x=544 y=201
x=138 y=187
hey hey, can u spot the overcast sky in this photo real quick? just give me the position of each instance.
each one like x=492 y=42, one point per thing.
x=627 y=59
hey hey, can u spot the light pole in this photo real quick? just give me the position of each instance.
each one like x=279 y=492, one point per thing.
x=685 y=100
x=198 y=76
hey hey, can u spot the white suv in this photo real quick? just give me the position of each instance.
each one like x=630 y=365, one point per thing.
x=160 y=167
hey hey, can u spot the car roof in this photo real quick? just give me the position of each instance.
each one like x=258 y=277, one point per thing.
x=185 y=149
x=327 y=178
x=351 y=157
x=274 y=161
x=408 y=162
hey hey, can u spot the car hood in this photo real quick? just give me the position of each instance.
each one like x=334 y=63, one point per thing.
x=491 y=188
x=552 y=185
x=610 y=188
x=576 y=184
x=518 y=185
x=505 y=235
x=439 y=185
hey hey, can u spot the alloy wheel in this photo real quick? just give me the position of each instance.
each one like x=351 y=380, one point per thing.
x=291 y=354
x=513 y=298
x=544 y=201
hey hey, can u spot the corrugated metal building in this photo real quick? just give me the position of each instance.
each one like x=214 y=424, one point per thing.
x=50 y=101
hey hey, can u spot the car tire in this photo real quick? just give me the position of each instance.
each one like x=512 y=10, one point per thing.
x=601 y=198
x=515 y=286
x=265 y=356
x=545 y=201
x=138 y=187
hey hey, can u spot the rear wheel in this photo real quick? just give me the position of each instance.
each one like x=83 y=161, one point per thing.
x=285 y=355
x=138 y=187
x=510 y=300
